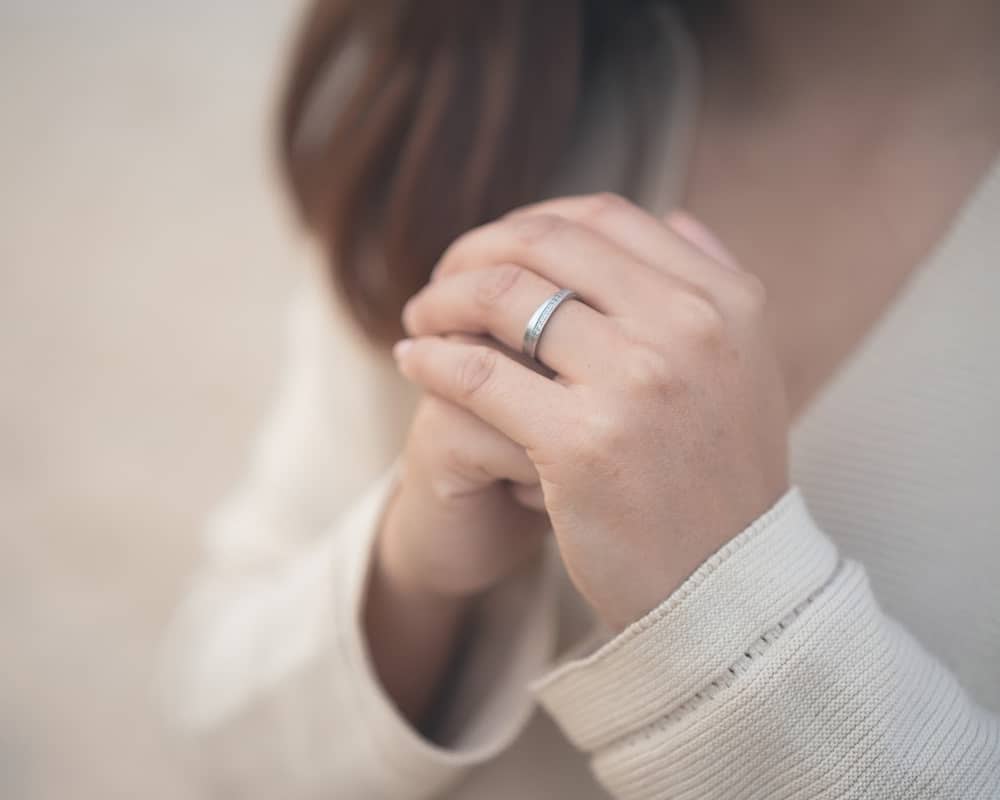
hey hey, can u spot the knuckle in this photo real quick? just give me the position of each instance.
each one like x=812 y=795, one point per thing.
x=647 y=368
x=495 y=284
x=451 y=479
x=452 y=258
x=530 y=229
x=695 y=319
x=752 y=293
x=455 y=461
x=475 y=371
x=437 y=419
x=600 y=435
x=605 y=204
x=428 y=415
x=456 y=245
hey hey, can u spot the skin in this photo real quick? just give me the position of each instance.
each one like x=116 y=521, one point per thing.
x=664 y=434
x=664 y=430
x=468 y=511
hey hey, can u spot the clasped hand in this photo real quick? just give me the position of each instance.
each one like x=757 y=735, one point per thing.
x=661 y=432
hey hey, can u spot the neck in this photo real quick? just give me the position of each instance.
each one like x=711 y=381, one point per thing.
x=772 y=52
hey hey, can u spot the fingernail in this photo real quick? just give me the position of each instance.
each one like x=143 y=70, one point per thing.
x=400 y=349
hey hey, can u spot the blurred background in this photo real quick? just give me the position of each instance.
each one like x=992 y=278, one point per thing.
x=146 y=257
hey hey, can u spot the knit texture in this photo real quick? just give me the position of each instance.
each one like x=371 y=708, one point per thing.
x=820 y=694
x=847 y=648
x=846 y=645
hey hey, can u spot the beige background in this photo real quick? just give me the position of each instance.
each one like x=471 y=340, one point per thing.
x=145 y=259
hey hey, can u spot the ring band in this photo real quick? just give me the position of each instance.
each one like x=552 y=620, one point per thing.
x=538 y=321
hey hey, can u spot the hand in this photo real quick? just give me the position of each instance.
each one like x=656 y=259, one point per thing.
x=468 y=510
x=664 y=432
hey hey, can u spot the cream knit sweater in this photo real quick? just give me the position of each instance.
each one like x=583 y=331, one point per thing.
x=847 y=644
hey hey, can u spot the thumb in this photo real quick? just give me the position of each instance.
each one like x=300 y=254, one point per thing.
x=692 y=231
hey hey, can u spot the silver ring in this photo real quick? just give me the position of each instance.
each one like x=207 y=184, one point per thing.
x=538 y=321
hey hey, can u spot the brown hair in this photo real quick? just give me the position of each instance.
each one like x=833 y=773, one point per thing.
x=454 y=113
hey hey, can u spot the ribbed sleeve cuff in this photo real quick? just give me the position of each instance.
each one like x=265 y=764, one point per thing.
x=514 y=644
x=697 y=637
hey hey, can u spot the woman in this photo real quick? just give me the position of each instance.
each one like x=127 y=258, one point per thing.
x=596 y=507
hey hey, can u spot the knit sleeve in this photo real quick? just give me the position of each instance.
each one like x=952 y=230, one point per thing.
x=772 y=673
x=265 y=673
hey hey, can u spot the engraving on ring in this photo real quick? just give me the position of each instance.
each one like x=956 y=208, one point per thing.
x=538 y=321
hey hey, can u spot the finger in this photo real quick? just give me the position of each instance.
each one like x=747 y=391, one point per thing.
x=476 y=452
x=529 y=496
x=521 y=404
x=647 y=237
x=510 y=352
x=692 y=231
x=570 y=255
x=577 y=342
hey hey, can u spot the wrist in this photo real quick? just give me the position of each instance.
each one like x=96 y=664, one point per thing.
x=413 y=633
x=397 y=566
